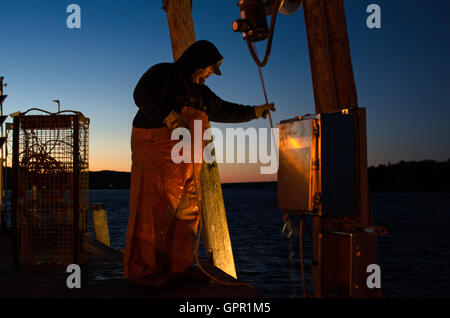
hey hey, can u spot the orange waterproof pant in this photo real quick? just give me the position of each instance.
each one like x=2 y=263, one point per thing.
x=164 y=202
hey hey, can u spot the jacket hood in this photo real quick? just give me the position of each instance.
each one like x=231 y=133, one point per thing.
x=199 y=55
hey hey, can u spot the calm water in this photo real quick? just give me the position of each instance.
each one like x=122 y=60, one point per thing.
x=414 y=256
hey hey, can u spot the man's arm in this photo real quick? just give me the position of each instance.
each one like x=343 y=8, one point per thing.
x=222 y=111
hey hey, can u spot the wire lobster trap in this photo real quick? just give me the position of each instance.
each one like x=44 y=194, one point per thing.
x=50 y=195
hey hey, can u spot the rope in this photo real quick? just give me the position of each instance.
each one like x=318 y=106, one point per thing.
x=288 y=230
x=302 y=267
x=251 y=46
x=197 y=243
x=197 y=260
x=49 y=113
x=291 y=268
x=261 y=77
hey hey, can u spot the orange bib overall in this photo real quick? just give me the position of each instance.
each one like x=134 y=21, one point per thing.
x=165 y=202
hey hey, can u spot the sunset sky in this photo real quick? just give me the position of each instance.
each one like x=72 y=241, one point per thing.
x=401 y=70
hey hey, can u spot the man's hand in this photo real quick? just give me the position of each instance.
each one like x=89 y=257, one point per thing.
x=263 y=110
x=175 y=120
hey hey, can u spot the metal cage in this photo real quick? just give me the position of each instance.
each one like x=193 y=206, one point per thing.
x=50 y=195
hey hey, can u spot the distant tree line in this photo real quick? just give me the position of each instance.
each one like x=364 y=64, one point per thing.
x=411 y=176
x=109 y=180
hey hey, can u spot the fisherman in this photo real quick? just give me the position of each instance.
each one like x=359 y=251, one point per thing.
x=165 y=196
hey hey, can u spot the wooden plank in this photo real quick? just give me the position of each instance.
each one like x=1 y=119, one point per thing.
x=340 y=54
x=2 y=192
x=215 y=230
x=93 y=247
x=100 y=222
x=102 y=277
x=329 y=51
x=363 y=200
x=334 y=89
x=216 y=237
x=181 y=25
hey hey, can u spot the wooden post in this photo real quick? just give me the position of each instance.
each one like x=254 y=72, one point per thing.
x=329 y=52
x=215 y=230
x=100 y=221
x=181 y=25
x=362 y=182
x=3 y=225
x=334 y=89
x=333 y=83
x=2 y=207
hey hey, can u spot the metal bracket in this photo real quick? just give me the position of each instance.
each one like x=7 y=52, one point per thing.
x=315 y=130
x=315 y=164
x=317 y=198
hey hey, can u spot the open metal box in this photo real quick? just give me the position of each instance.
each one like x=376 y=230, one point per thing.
x=317 y=164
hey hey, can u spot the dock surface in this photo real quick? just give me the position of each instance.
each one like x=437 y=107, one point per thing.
x=102 y=277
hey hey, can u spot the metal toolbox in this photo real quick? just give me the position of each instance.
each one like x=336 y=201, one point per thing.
x=317 y=164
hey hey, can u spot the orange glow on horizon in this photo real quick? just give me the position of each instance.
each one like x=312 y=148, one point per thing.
x=228 y=172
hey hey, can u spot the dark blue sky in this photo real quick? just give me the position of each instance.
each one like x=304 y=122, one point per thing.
x=401 y=70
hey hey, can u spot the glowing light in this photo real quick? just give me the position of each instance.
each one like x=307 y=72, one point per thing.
x=294 y=143
x=298 y=143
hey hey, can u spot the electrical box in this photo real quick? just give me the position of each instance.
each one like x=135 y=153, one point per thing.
x=346 y=257
x=317 y=164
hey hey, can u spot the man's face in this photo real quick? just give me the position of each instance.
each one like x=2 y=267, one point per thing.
x=200 y=75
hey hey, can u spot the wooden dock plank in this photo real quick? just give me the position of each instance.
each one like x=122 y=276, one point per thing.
x=102 y=277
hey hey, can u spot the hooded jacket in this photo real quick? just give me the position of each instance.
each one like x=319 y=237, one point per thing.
x=169 y=86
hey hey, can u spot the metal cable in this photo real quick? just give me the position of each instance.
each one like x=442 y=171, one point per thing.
x=302 y=267
x=251 y=46
x=291 y=268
